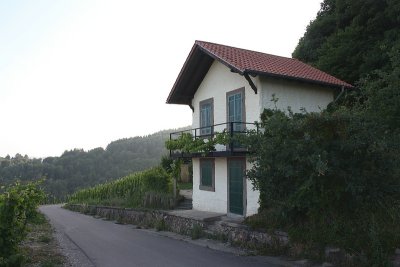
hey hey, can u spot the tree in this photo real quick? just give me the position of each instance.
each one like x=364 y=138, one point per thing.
x=351 y=38
x=380 y=93
x=333 y=178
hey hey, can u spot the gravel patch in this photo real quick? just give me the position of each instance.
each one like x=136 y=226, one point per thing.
x=74 y=255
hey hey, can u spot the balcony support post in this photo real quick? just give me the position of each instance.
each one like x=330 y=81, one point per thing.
x=231 y=136
x=251 y=83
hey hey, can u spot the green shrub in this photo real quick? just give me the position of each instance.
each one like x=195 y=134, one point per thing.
x=329 y=178
x=157 y=180
x=166 y=163
x=18 y=204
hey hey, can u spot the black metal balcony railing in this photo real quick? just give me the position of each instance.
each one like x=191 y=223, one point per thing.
x=234 y=148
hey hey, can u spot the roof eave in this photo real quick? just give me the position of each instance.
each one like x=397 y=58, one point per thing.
x=192 y=73
x=181 y=73
x=305 y=80
x=197 y=65
x=226 y=63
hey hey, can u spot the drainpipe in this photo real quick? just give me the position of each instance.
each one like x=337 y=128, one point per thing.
x=340 y=94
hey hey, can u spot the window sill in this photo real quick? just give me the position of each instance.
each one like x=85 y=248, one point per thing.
x=207 y=188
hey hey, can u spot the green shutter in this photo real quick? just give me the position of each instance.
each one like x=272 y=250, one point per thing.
x=236 y=177
x=206 y=118
x=235 y=112
x=206 y=173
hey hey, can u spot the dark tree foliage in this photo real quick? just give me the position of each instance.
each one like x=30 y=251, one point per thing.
x=330 y=178
x=351 y=38
x=333 y=178
x=380 y=94
x=76 y=169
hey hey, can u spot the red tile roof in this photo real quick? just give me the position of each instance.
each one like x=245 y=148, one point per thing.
x=246 y=61
x=243 y=62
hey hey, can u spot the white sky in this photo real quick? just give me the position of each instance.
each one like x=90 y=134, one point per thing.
x=82 y=73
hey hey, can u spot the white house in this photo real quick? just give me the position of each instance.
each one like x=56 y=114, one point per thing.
x=227 y=88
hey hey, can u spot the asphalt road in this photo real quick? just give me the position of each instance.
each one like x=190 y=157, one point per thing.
x=105 y=243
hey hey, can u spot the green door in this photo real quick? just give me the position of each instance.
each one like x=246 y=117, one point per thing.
x=236 y=169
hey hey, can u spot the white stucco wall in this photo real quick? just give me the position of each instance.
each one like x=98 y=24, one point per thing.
x=252 y=196
x=217 y=201
x=206 y=200
x=296 y=95
x=218 y=81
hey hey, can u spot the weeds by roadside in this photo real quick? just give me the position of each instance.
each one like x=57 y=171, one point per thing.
x=40 y=248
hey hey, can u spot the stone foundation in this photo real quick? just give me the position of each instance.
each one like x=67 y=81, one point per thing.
x=233 y=233
x=143 y=218
x=242 y=235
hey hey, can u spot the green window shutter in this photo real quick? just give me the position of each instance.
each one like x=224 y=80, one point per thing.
x=235 y=110
x=206 y=114
x=206 y=173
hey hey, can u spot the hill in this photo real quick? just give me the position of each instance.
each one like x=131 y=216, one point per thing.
x=351 y=39
x=76 y=169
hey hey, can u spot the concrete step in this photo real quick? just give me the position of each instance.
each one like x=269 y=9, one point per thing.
x=183 y=208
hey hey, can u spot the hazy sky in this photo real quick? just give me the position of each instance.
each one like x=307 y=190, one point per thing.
x=82 y=73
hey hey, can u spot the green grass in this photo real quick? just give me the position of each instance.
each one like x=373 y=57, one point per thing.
x=185 y=186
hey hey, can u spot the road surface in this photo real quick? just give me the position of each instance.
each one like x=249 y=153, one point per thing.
x=105 y=243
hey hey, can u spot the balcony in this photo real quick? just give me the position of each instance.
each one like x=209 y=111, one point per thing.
x=231 y=148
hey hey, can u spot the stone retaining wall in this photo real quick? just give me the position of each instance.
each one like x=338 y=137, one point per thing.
x=145 y=218
x=237 y=235
x=242 y=235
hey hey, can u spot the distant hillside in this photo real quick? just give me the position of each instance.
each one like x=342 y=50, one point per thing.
x=77 y=168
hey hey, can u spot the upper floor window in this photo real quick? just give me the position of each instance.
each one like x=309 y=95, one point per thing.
x=236 y=109
x=206 y=117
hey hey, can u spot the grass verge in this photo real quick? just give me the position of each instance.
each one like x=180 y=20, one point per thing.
x=185 y=186
x=40 y=247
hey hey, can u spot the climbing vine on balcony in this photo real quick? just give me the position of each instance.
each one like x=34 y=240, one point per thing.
x=187 y=144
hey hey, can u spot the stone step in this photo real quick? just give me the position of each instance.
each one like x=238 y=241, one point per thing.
x=183 y=208
x=186 y=204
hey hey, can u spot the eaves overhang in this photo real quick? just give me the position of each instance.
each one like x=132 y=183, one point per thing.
x=299 y=79
x=199 y=62
x=190 y=77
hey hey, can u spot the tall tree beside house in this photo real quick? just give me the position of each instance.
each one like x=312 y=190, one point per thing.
x=351 y=38
x=333 y=178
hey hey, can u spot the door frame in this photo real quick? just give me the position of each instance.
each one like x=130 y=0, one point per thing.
x=244 y=200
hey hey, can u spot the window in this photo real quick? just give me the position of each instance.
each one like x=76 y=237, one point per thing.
x=236 y=109
x=207 y=174
x=206 y=117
